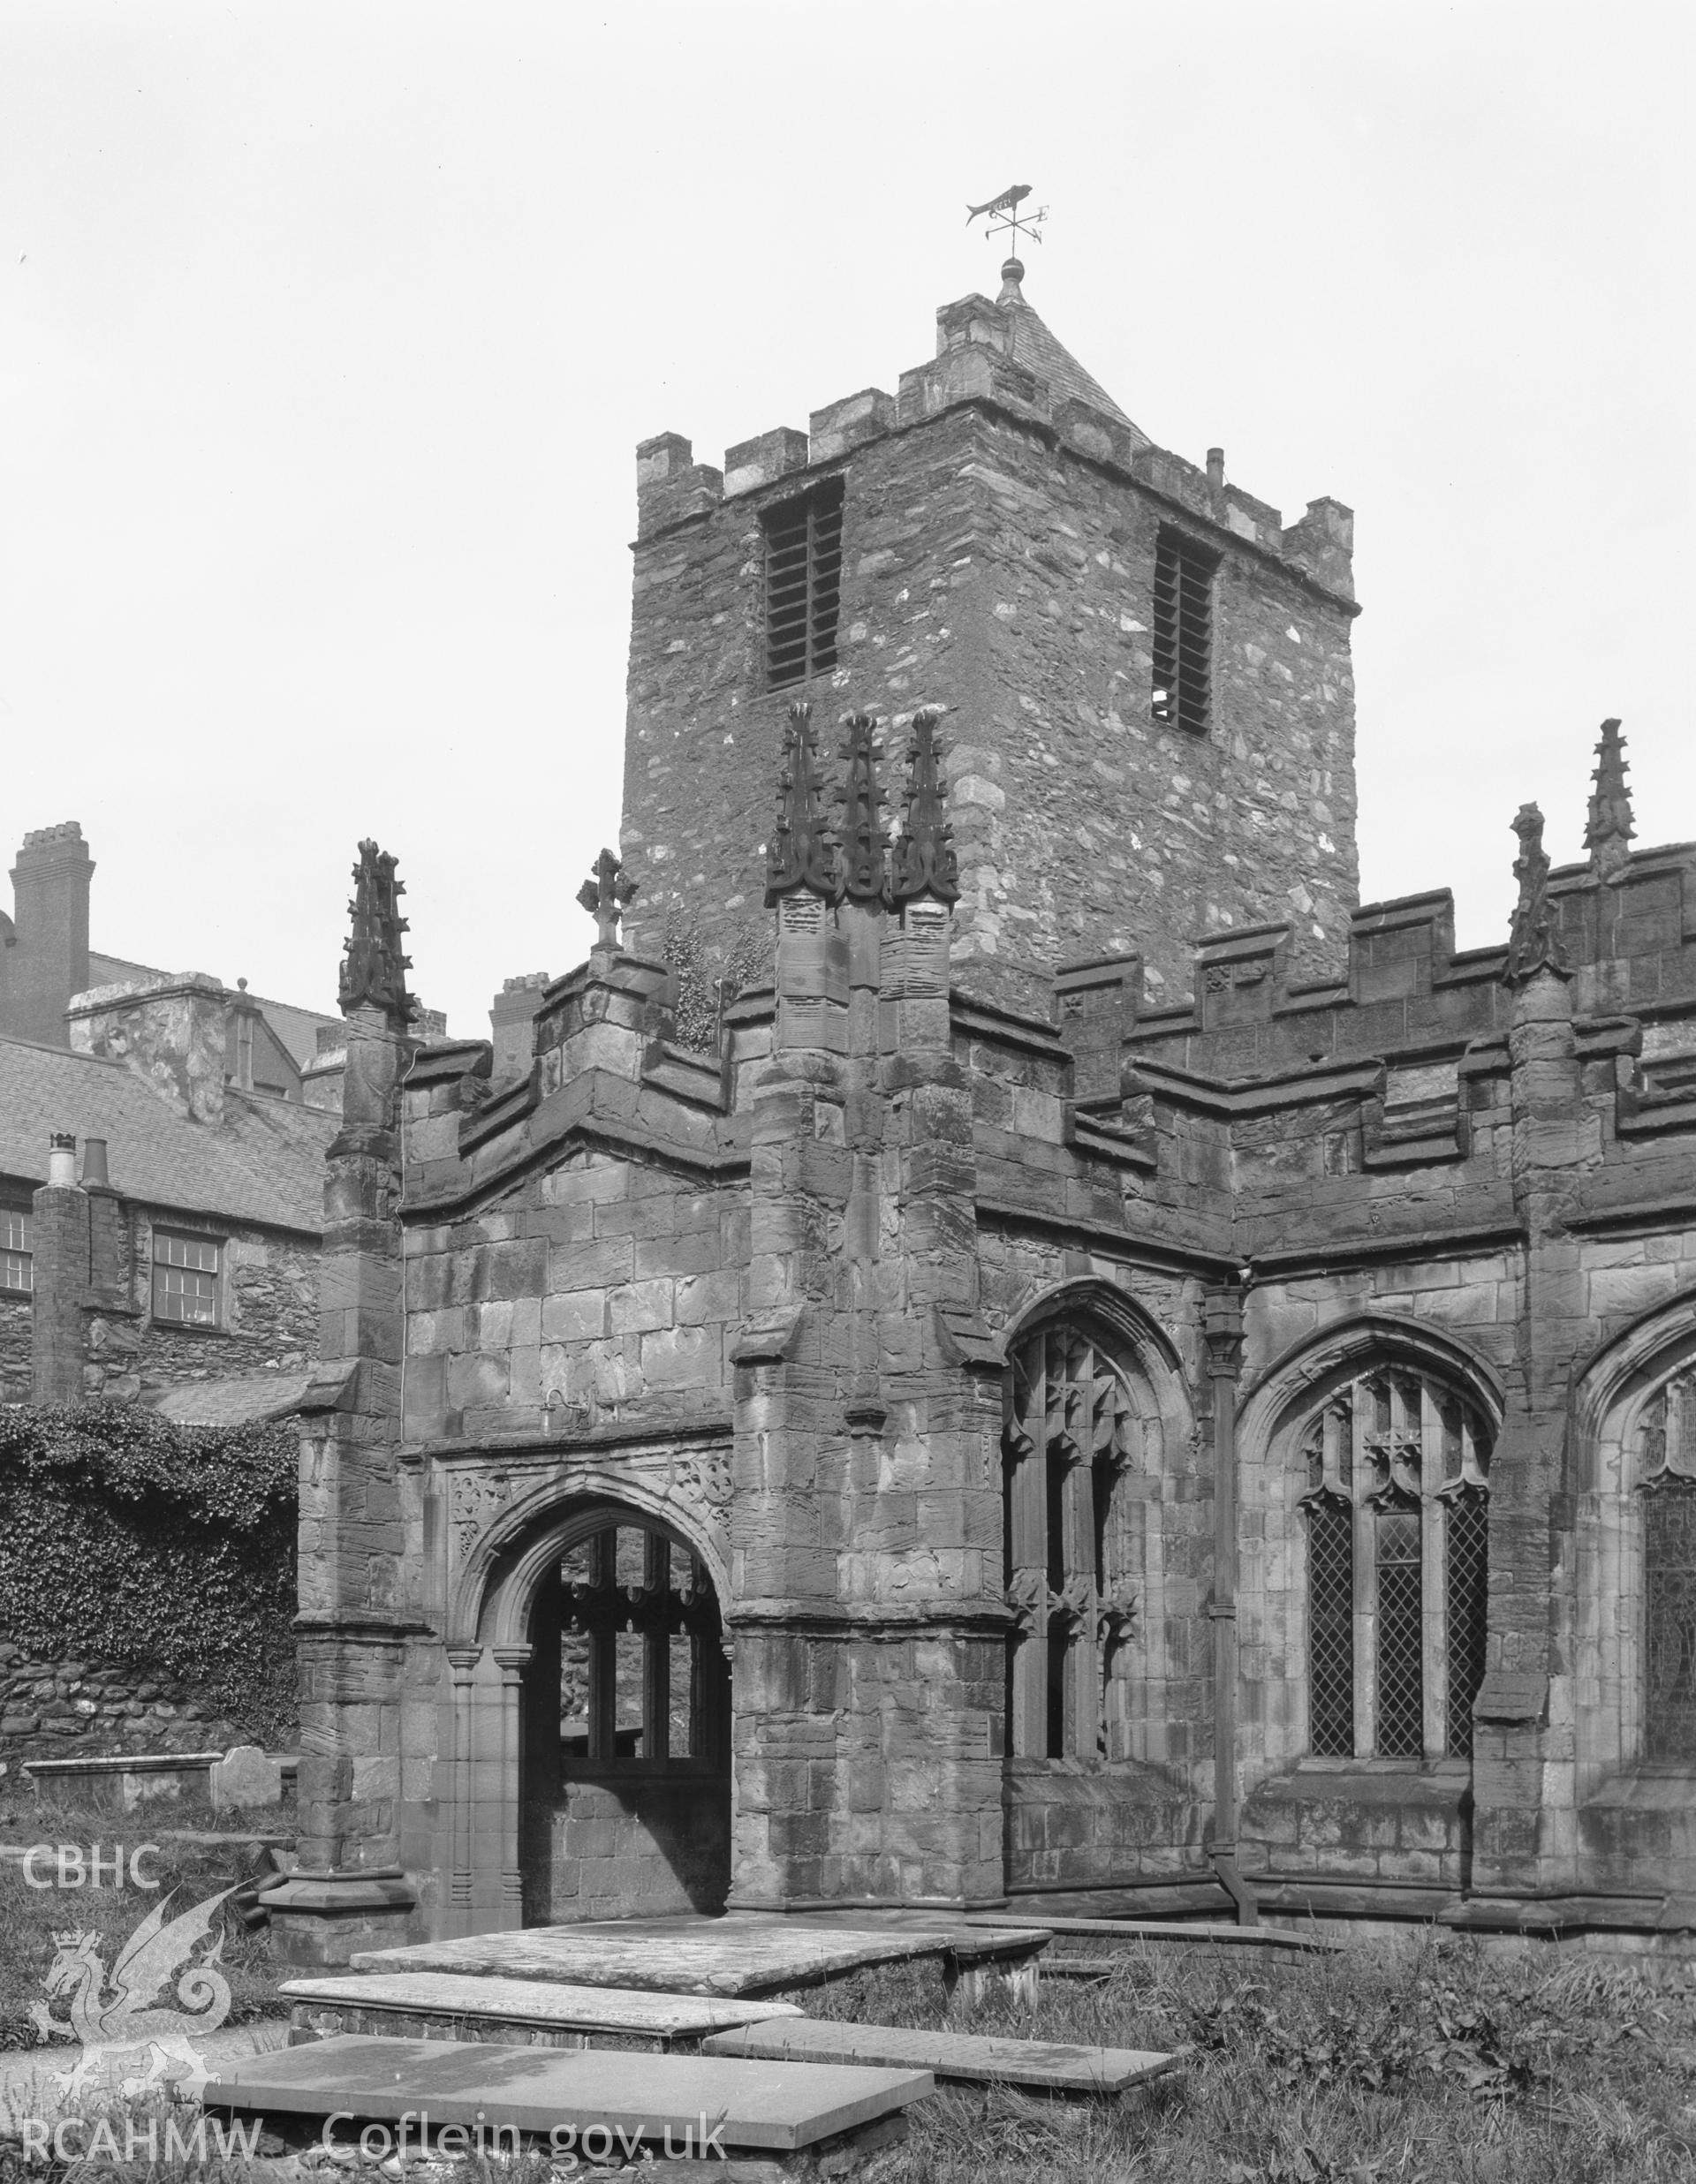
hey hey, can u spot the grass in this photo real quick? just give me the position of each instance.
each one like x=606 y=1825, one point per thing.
x=1440 y=2063
x=1444 y=2065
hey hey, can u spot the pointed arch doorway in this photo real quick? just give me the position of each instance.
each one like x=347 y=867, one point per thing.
x=624 y=1753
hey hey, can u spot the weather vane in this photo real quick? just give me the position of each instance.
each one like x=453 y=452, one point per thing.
x=1005 y=218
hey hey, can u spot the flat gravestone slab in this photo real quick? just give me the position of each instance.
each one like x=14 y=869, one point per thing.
x=1048 y=2066
x=739 y=1954
x=782 y=2105
x=1170 y=1930
x=538 y=2002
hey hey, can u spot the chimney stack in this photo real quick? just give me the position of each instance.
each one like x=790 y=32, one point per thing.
x=59 y=1237
x=47 y=961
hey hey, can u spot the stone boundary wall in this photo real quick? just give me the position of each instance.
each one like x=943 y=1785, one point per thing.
x=74 y=1709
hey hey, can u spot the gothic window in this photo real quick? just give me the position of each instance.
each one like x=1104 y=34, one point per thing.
x=1668 y=1474
x=1183 y=684
x=1067 y=1450
x=803 y=584
x=17 y=1260
x=185 y=1279
x=1397 y=1519
x=642 y=1669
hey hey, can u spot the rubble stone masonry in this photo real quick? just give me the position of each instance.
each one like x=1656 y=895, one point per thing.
x=998 y=558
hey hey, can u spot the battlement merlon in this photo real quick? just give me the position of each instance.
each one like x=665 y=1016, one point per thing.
x=1630 y=938
x=978 y=359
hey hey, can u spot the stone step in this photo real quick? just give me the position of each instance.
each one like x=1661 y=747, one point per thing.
x=741 y=1953
x=520 y=2013
x=535 y=2095
x=1168 y=1933
x=956 y=2058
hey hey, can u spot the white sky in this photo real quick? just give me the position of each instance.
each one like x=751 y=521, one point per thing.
x=327 y=333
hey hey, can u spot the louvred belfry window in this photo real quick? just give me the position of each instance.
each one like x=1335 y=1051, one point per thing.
x=1667 y=1471
x=1182 y=649
x=1398 y=1521
x=803 y=584
x=1067 y=1446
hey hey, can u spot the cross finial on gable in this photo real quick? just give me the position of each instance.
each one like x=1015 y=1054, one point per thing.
x=604 y=894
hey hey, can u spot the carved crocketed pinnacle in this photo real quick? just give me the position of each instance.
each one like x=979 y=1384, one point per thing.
x=922 y=860
x=864 y=872
x=801 y=852
x=604 y=894
x=1609 y=832
x=374 y=973
x=1532 y=945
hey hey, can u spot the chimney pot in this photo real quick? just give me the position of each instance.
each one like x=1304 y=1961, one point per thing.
x=62 y=1161
x=1216 y=468
x=94 y=1162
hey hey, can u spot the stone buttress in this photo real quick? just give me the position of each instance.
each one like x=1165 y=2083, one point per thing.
x=867 y=1518
x=359 y=1513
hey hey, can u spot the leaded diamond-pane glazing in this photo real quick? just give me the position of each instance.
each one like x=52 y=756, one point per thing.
x=1468 y=1582
x=1398 y=1490
x=1330 y=1629
x=1670 y=1559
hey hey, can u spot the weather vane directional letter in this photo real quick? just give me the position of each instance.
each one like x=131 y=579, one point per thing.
x=1005 y=218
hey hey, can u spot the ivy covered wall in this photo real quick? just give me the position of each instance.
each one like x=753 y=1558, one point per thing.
x=146 y=1582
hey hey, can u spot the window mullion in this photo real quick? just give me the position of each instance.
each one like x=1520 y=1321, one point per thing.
x=1031 y=1564
x=1366 y=1580
x=1434 y=1592
x=1082 y=1656
x=656 y=1651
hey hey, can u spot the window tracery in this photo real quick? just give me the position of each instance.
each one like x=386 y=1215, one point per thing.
x=1398 y=1517
x=1069 y=1560
x=1667 y=1487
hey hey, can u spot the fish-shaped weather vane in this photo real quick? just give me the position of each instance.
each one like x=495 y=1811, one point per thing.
x=1004 y=215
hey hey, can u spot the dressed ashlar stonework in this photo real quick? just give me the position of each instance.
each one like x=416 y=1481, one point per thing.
x=993 y=1423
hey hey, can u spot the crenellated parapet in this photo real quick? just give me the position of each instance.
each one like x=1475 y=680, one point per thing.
x=998 y=540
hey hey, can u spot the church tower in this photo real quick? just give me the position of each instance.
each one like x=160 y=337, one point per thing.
x=1144 y=674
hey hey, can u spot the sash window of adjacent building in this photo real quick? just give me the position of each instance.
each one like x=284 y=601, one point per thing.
x=17 y=1257
x=1067 y=1449
x=803 y=584
x=1183 y=646
x=1398 y=1524
x=186 y=1272
x=1667 y=1471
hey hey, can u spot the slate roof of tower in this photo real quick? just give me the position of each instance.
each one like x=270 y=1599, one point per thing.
x=264 y=1163
x=1034 y=346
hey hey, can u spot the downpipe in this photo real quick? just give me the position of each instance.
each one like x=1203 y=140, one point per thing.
x=1223 y=1328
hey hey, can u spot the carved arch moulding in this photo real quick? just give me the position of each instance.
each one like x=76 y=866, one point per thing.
x=1632 y=1466
x=1310 y=1370
x=495 y=1504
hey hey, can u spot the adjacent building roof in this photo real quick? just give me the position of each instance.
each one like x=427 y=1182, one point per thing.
x=264 y=1163
x=243 y=1401
x=297 y=1029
